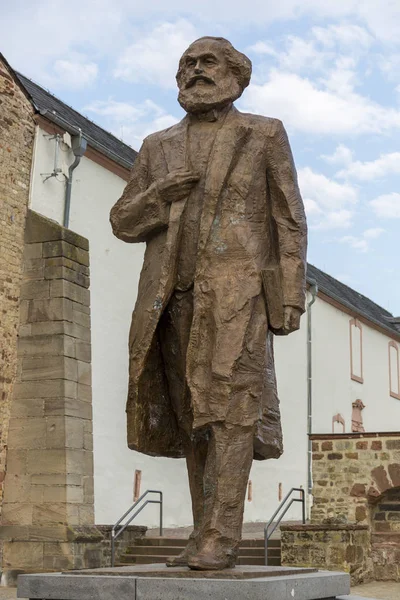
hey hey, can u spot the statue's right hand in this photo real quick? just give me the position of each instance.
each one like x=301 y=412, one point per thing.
x=177 y=185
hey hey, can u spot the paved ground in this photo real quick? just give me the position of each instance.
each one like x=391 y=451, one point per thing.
x=384 y=590
x=8 y=593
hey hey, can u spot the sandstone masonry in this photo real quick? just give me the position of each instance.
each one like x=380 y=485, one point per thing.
x=339 y=547
x=48 y=505
x=351 y=472
x=355 y=518
x=17 y=129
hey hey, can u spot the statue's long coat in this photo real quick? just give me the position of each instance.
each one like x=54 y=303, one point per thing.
x=252 y=217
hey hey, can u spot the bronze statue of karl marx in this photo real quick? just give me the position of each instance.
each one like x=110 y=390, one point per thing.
x=216 y=200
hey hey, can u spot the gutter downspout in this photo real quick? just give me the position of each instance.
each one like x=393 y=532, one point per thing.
x=314 y=292
x=79 y=145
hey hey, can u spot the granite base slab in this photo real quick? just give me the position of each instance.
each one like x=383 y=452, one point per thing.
x=162 y=571
x=154 y=582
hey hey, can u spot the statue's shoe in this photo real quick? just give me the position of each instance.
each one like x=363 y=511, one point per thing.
x=208 y=561
x=181 y=560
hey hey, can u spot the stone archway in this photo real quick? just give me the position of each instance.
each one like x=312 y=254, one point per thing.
x=385 y=535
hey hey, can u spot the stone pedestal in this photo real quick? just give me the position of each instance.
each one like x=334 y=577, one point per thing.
x=156 y=582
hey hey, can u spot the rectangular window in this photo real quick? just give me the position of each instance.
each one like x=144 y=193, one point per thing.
x=356 y=351
x=394 y=370
x=136 y=485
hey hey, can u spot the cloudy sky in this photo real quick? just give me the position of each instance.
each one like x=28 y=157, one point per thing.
x=330 y=69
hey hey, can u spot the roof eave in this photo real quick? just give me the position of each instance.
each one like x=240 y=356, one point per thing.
x=393 y=332
x=73 y=130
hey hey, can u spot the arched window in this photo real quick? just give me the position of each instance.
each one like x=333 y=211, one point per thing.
x=356 y=351
x=338 y=424
x=394 y=370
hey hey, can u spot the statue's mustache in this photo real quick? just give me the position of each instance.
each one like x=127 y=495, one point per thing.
x=193 y=80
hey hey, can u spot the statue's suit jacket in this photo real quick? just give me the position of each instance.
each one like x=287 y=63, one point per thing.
x=253 y=217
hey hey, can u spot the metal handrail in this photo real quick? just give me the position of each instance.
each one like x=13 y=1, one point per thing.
x=267 y=533
x=118 y=528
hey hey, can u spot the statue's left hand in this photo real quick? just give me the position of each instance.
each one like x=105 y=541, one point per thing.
x=292 y=316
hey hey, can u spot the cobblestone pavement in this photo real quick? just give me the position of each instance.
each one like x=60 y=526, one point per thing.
x=382 y=590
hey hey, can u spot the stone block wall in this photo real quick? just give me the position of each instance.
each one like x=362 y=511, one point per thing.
x=49 y=478
x=355 y=517
x=48 y=505
x=61 y=548
x=385 y=536
x=351 y=472
x=17 y=130
x=334 y=547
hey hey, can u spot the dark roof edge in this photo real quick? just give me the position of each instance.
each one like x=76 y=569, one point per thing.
x=393 y=332
x=73 y=129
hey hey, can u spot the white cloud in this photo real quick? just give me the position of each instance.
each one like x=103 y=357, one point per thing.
x=154 y=56
x=381 y=18
x=119 y=112
x=342 y=78
x=73 y=74
x=341 y=156
x=326 y=201
x=263 y=48
x=130 y=122
x=387 y=206
x=336 y=219
x=356 y=243
x=312 y=208
x=390 y=66
x=40 y=38
x=343 y=35
x=326 y=192
x=386 y=164
x=362 y=243
x=320 y=50
x=51 y=29
x=373 y=233
x=301 y=54
x=306 y=106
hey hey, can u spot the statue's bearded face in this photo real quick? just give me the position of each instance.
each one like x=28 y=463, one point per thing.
x=205 y=78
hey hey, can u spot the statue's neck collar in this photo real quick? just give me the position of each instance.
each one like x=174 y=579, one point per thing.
x=212 y=115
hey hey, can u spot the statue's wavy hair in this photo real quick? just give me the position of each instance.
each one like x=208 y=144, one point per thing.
x=239 y=63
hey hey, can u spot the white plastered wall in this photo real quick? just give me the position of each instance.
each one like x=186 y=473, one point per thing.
x=333 y=389
x=290 y=470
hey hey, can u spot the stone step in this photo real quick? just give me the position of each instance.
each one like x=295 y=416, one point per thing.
x=148 y=550
x=174 y=550
x=181 y=542
x=273 y=561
